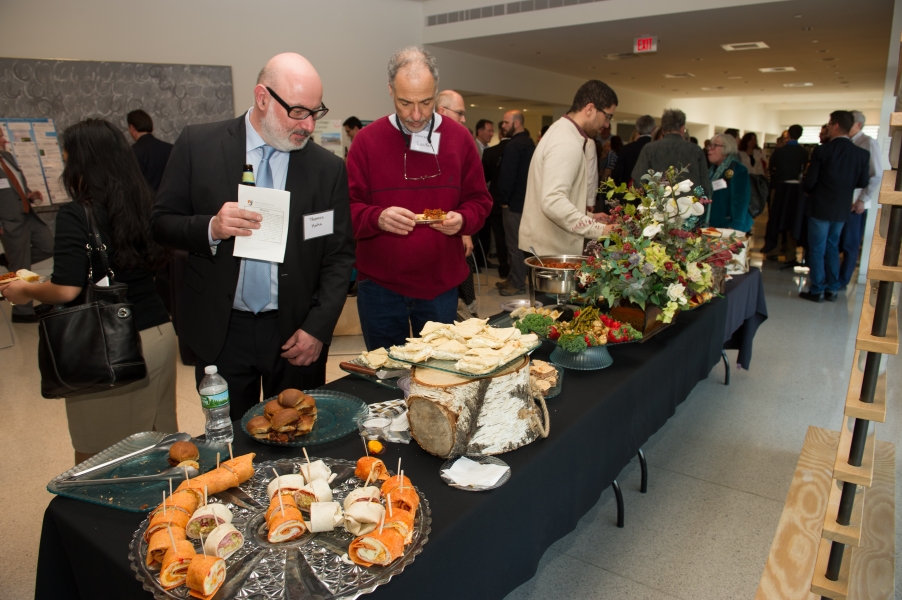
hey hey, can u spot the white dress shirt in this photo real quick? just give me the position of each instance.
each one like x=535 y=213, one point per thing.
x=278 y=163
x=875 y=172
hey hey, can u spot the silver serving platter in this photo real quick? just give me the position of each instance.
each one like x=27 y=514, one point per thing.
x=309 y=568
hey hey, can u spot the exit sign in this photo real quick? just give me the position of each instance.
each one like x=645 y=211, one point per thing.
x=645 y=44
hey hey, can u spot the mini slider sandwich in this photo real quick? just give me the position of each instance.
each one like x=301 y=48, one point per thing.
x=298 y=400
x=271 y=408
x=179 y=452
x=259 y=427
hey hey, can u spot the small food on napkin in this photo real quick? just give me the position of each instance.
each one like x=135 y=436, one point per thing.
x=470 y=473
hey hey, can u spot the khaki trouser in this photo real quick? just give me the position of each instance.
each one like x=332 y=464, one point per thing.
x=97 y=421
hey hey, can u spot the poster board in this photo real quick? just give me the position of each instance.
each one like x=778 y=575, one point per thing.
x=330 y=134
x=35 y=145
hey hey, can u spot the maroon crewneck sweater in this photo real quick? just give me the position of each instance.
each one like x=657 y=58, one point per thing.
x=424 y=263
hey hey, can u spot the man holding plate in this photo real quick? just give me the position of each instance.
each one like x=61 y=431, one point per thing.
x=401 y=169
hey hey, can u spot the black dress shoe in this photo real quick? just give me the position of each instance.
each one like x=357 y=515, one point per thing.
x=812 y=297
x=830 y=296
x=32 y=318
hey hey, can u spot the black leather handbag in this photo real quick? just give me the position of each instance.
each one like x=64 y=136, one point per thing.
x=91 y=344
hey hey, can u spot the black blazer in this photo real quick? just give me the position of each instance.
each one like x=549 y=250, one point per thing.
x=515 y=171
x=836 y=169
x=787 y=163
x=203 y=173
x=491 y=166
x=626 y=160
x=152 y=155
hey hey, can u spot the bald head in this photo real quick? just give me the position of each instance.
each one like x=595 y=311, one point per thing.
x=450 y=104
x=512 y=123
x=292 y=79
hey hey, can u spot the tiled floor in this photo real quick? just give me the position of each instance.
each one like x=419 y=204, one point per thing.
x=719 y=469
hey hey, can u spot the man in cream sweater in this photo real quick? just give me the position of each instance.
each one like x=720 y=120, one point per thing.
x=563 y=177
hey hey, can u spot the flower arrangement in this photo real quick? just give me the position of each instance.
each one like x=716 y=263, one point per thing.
x=656 y=252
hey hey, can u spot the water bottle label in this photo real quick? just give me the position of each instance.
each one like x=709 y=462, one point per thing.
x=215 y=401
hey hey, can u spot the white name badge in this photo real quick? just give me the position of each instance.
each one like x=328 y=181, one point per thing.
x=720 y=184
x=319 y=224
x=4 y=184
x=421 y=144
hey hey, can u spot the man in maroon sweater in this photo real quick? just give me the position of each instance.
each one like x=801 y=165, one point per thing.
x=398 y=167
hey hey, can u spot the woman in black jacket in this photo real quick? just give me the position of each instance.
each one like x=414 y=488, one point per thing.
x=101 y=171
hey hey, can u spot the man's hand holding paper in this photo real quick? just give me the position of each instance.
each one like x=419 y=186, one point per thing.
x=267 y=238
x=232 y=221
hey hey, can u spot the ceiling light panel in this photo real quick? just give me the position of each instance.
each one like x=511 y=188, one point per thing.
x=744 y=46
x=777 y=69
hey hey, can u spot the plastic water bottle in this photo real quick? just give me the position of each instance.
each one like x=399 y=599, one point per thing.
x=214 y=399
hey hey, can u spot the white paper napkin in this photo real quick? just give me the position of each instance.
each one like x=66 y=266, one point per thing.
x=470 y=473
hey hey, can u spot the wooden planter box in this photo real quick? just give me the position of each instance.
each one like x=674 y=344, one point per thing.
x=646 y=321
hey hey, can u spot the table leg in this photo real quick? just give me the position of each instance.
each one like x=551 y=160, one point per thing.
x=619 y=496
x=644 y=466
x=726 y=366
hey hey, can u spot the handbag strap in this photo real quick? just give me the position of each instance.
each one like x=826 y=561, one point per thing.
x=95 y=244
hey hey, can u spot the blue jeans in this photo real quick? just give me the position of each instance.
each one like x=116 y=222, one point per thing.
x=823 y=255
x=850 y=244
x=386 y=317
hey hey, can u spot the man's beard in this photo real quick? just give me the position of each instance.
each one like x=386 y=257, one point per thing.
x=279 y=136
x=412 y=125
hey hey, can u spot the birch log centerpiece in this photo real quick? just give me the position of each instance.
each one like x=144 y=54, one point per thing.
x=451 y=415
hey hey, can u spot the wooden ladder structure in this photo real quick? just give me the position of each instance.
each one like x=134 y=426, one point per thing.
x=836 y=537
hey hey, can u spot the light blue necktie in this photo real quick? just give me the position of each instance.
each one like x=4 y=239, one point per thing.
x=256 y=289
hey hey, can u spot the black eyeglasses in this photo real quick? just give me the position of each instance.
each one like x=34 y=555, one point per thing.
x=299 y=113
x=609 y=116
x=459 y=113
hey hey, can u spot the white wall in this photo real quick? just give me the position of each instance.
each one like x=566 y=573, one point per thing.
x=349 y=41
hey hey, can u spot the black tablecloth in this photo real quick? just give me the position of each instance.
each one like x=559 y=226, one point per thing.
x=746 y=311
x=482 y=544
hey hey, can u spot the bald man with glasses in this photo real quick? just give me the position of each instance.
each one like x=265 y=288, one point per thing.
x=261 y=323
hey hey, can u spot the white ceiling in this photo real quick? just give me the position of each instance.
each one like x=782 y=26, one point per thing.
x=837 y=45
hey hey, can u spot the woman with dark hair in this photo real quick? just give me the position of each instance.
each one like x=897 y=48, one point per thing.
x=101 y=172
x=751 y=155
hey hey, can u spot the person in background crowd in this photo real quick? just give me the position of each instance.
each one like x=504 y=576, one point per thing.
x=615 y=145
x=352 y=126
x=604 y=136
x=512 y=181
x=449 y=102
x=494 y=223
x=787 y=165
x=751 y=155
x=101 y=172
x=403 y=164
x=26 y=238
x=694 y=140
x=542 y=132
x=836 y=169
x=824 y=135
x=563 y=177
x=730 y=181
x=152 y=154
x=853 y=231
x=673 y=151
x=734 y=133
x=781 y=141
x=259 y=322
x=451 y=105
x=485 y=131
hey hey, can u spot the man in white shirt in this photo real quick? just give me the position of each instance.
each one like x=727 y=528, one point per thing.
x=485 y=131
x=853 y=232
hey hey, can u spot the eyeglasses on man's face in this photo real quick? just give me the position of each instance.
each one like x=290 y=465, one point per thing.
x=608 y=116
x=459 y=113
x=299 y=113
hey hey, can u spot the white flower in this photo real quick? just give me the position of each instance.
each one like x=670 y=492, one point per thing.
x=694 y=273
x=684 y=187
x=677 y=292
x=652 y=230
x=667 y=191
x=689 y=206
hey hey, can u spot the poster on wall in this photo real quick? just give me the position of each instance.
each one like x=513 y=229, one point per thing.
x=35 y=145
x=330 y=135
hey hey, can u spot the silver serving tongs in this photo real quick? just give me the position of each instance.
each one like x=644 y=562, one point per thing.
x=175 y=473
x=163 y=444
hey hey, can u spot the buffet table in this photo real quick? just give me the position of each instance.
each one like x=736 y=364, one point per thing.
x=746 y=311
x=482 y=544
